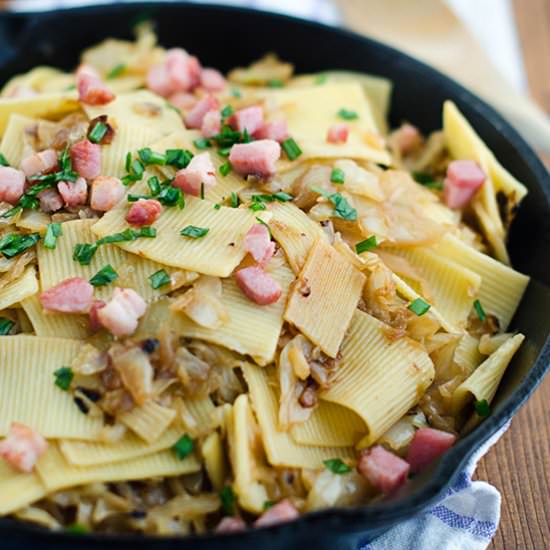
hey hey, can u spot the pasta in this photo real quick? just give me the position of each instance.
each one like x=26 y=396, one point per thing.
x=230 y=300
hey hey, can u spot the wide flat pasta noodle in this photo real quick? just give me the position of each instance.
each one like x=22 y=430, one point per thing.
x=19 y=289
x=18 y=489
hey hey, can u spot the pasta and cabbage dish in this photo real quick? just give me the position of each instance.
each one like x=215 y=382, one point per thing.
x=229 y=300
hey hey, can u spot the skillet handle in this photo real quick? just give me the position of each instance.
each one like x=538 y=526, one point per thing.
x=12 y=28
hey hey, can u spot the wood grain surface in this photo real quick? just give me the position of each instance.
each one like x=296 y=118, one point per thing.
x=519 y=464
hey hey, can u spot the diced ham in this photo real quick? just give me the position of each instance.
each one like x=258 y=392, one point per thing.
x=464 y=179
x=144 y=212
x=281 y=512
x=276 y=130
x=258 y=243
x=258 y=286
x=120 y=316
x=211 y=124
x=183 y=100
x=338 y=133
x=257 y=158
x=74 y=193
x=199 y=171
x=106 y=193
x=408 y=138
x=384 y=470
x=91 y=89
x=95 y=323
x=50 y=201
x=212 y=80
x=74 y=295
x=194 y=118
x=427 y=445
x=158 y=80
x=250 y=119
x=86 y=157
x=230 y=524
x=12 y=184
x=179 y=72
x=22 y=447
x=39 y=163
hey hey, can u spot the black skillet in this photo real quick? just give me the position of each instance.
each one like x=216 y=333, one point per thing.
x=225 y=37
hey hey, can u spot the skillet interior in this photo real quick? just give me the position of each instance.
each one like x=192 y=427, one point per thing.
x=226 y=37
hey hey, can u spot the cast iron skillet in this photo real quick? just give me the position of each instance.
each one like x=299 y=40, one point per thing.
x=225 y=37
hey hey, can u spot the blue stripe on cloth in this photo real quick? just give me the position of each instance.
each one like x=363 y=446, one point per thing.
x=485 y=529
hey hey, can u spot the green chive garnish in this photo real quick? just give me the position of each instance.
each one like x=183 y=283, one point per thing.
x=291 y=149
x=235 y=92
x=76 y=529
x=482 y=408
x=149 y=156
x=104 y=276
x=63 y=377
x=183 y=447
x=257 y=206
x=171 y=196
x=227 y=111
x=53 y=231
x=234 y=200
x=84 y=252
x=347 y=114
x=419 y=307
x=128 y=163
x=275 y=83
x=217 y=206
x=337 y=175
x=225 y=168
x=480 y=311
x=228 y=498
x=159 y=278
x=367 y=244
x=154 y=185
x=321 y=79
x=117 y=70
x=98 y=132
x=336 y=466
x=427 y=180
x=342 y=208
x=201 y=143
x=194 y=232
x=3 y=160
x=13 y=244
x=202 y=191
x=5 y=326
x=179 y=158
x=268 y=504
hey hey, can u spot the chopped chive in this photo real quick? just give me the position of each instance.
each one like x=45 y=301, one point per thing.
x=147 y=232
x=217 y=206
x=291 y=148
x=70 y=87
x=98 y=132
x=321 y=79
x=128 y=163
x=84 y=252
x=367 y=244
x=63 y=377
x=281 y=196
x=342 y=208
x=171 y=196
x=104 y=276
x=194 y=232
x=134 y=198
x=154 y=185
x=234 y=200
x=179 y=158
x=225 y=168
x=5 y=326
x=12 y=212
x=259 y=220
x=137 y=169
x=257 y=206
x=228 y=499
x=76 y=529
x=117 y=70
x=246 y=137
x=201 y=143
x=482 y=408
x=336 y=466
x=275 y=83
x=235 y=92
x=224 y=151
x=268 y=504
x=337 y=175
x=183 y=447
x=347 y=114
x=202 y=190
x=480 y=311
x=159 y=278
x=3 y=160
x=427 y=180
x=172 y=107
x=226 y=112
x=53 y=231
x=419 y=307
x=14 y=244
x=127 y=180
x=149 y=156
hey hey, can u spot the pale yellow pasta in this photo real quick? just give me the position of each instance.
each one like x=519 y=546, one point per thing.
x=32 y=80
x=19 y=289
x=18 y=489
x=56 y=473
x=379 y=379
x=149 y=421
x=467 y=355
x=29 y=395
x=501 y=287
x=250 y=330
x=324 y=297
x=217 y=253
x=453 y=288
x=88 y=453
x=329 y=424
x=242 y=436
x=60 y=325
x=34 y=221
x=280 y=447
x=214 y=460
x=295 y=232
x=49 y=106
x=12 y=145
x=482 y=384
x=133 y=271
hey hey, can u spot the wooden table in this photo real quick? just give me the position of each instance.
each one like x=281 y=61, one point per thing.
x=519 y=464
